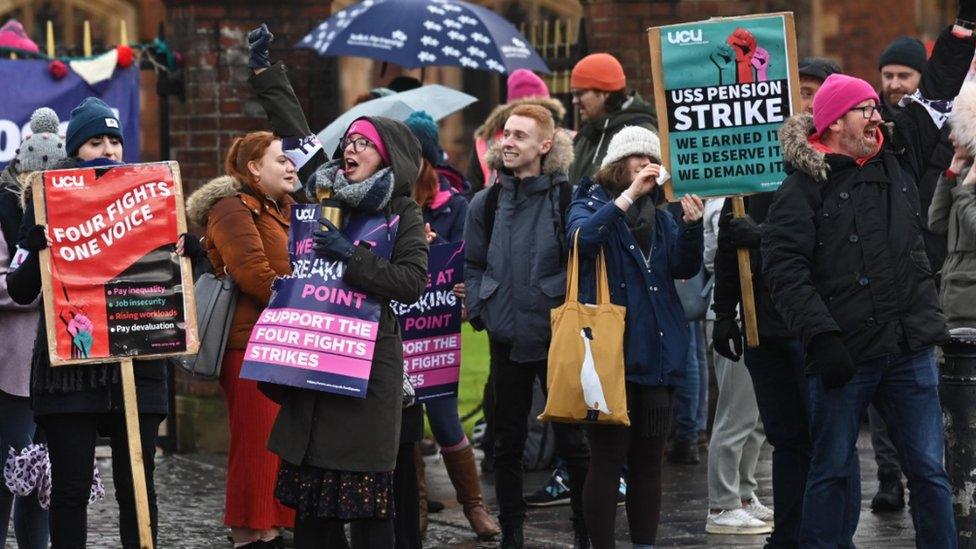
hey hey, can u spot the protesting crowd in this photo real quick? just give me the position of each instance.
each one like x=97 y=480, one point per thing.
x=861 y=267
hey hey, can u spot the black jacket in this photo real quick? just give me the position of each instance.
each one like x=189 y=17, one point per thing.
x=728 y=292
x=842 y=245
x=843 y=250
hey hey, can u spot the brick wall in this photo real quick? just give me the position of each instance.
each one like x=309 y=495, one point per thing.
x=220 y=105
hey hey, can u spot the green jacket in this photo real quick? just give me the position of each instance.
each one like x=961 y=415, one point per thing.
x=953 y=215
x=590 y=145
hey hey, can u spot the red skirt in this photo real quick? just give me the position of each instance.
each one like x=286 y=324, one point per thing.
x=251 y=468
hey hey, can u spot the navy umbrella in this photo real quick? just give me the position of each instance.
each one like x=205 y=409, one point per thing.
x=423 y=33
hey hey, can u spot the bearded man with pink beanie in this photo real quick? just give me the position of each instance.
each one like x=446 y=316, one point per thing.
x=845 y=261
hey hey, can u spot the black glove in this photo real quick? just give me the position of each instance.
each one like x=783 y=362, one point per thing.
x=727 y=331
x=744 y=232
x=967 y=10
x=332 y=243
x=830 y=356
x=35 y=239
x=258 y=41
x=191 y=246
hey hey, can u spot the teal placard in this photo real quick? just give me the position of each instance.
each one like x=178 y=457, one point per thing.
x=726 y=91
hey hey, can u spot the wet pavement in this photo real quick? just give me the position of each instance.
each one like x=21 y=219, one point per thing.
x=190 y=491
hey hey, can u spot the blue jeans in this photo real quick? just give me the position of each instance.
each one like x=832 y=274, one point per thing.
x=776 y=367
x=445 y=423
x=17 y=431
x=905 y=389
x=688 y=402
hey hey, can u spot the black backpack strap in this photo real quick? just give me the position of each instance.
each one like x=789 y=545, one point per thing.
x=565 y=197
x=491 y=208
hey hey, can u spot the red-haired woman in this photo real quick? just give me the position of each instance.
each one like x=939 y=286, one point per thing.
x=246 y=213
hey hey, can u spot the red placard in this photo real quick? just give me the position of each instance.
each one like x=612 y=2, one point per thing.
x=113 y=284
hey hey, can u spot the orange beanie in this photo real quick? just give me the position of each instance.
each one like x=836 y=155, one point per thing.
x=599 y=71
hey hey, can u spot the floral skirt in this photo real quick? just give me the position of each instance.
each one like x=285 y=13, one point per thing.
x=344 y=495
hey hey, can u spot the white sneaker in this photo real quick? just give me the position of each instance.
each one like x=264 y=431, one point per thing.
x=758 y=510
x=735 y=521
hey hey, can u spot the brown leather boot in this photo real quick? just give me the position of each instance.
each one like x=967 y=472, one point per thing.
x=418 y=459
x=463 y=471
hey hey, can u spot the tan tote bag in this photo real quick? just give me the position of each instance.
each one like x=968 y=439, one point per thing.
x=586 y=376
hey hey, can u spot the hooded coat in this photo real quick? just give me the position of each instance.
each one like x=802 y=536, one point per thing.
x=514 y=280
x=843 y=247
x=488 y=133
x=843 y=250
x=593 y=138
x=246 y=239
x=953 y=214
x=337 y=432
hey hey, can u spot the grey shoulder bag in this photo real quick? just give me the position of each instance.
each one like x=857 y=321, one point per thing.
x=216 y=301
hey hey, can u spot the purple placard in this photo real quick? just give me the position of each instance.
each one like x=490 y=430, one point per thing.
x=319 y=332
x=31 y=86
x=432 y=326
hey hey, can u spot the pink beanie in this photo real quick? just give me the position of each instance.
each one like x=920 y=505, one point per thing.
x=524 y=83
x=366 y=129
x=838 y=95
x=12 y=36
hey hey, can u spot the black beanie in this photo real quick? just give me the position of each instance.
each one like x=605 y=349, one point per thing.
x=818 y=67
x=906 y=51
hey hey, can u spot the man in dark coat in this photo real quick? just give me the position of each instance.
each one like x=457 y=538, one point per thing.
x=846 y=264
x=515 y=273
x=776 y=365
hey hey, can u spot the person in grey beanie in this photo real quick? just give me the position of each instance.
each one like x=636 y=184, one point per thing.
x=42 y=150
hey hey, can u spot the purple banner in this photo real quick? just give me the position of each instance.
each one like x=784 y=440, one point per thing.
x=319 y=332
x=29 y=86
x=432 y=327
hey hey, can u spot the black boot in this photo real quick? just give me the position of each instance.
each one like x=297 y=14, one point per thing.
x=684 y=452
x=512 y=537
x=581 y=539
x=891 y=494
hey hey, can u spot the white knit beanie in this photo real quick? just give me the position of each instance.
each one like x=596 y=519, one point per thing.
x=632 y=140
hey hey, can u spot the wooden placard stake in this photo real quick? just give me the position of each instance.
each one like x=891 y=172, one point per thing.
x=135 y=454
x=745 y=281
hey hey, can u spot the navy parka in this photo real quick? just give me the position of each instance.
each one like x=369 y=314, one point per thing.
x=656 y=336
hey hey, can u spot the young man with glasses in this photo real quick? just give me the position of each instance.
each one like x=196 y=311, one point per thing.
x=844 y=258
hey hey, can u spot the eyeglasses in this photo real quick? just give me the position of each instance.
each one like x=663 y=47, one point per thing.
x=579 y=93
x=867 y=111
x=359 y=144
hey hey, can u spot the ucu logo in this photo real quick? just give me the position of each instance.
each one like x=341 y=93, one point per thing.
x=306 y=214
x=68 y=181
x=685 y=37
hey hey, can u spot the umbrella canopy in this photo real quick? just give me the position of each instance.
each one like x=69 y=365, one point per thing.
x=439 y=101
x=421 y=33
